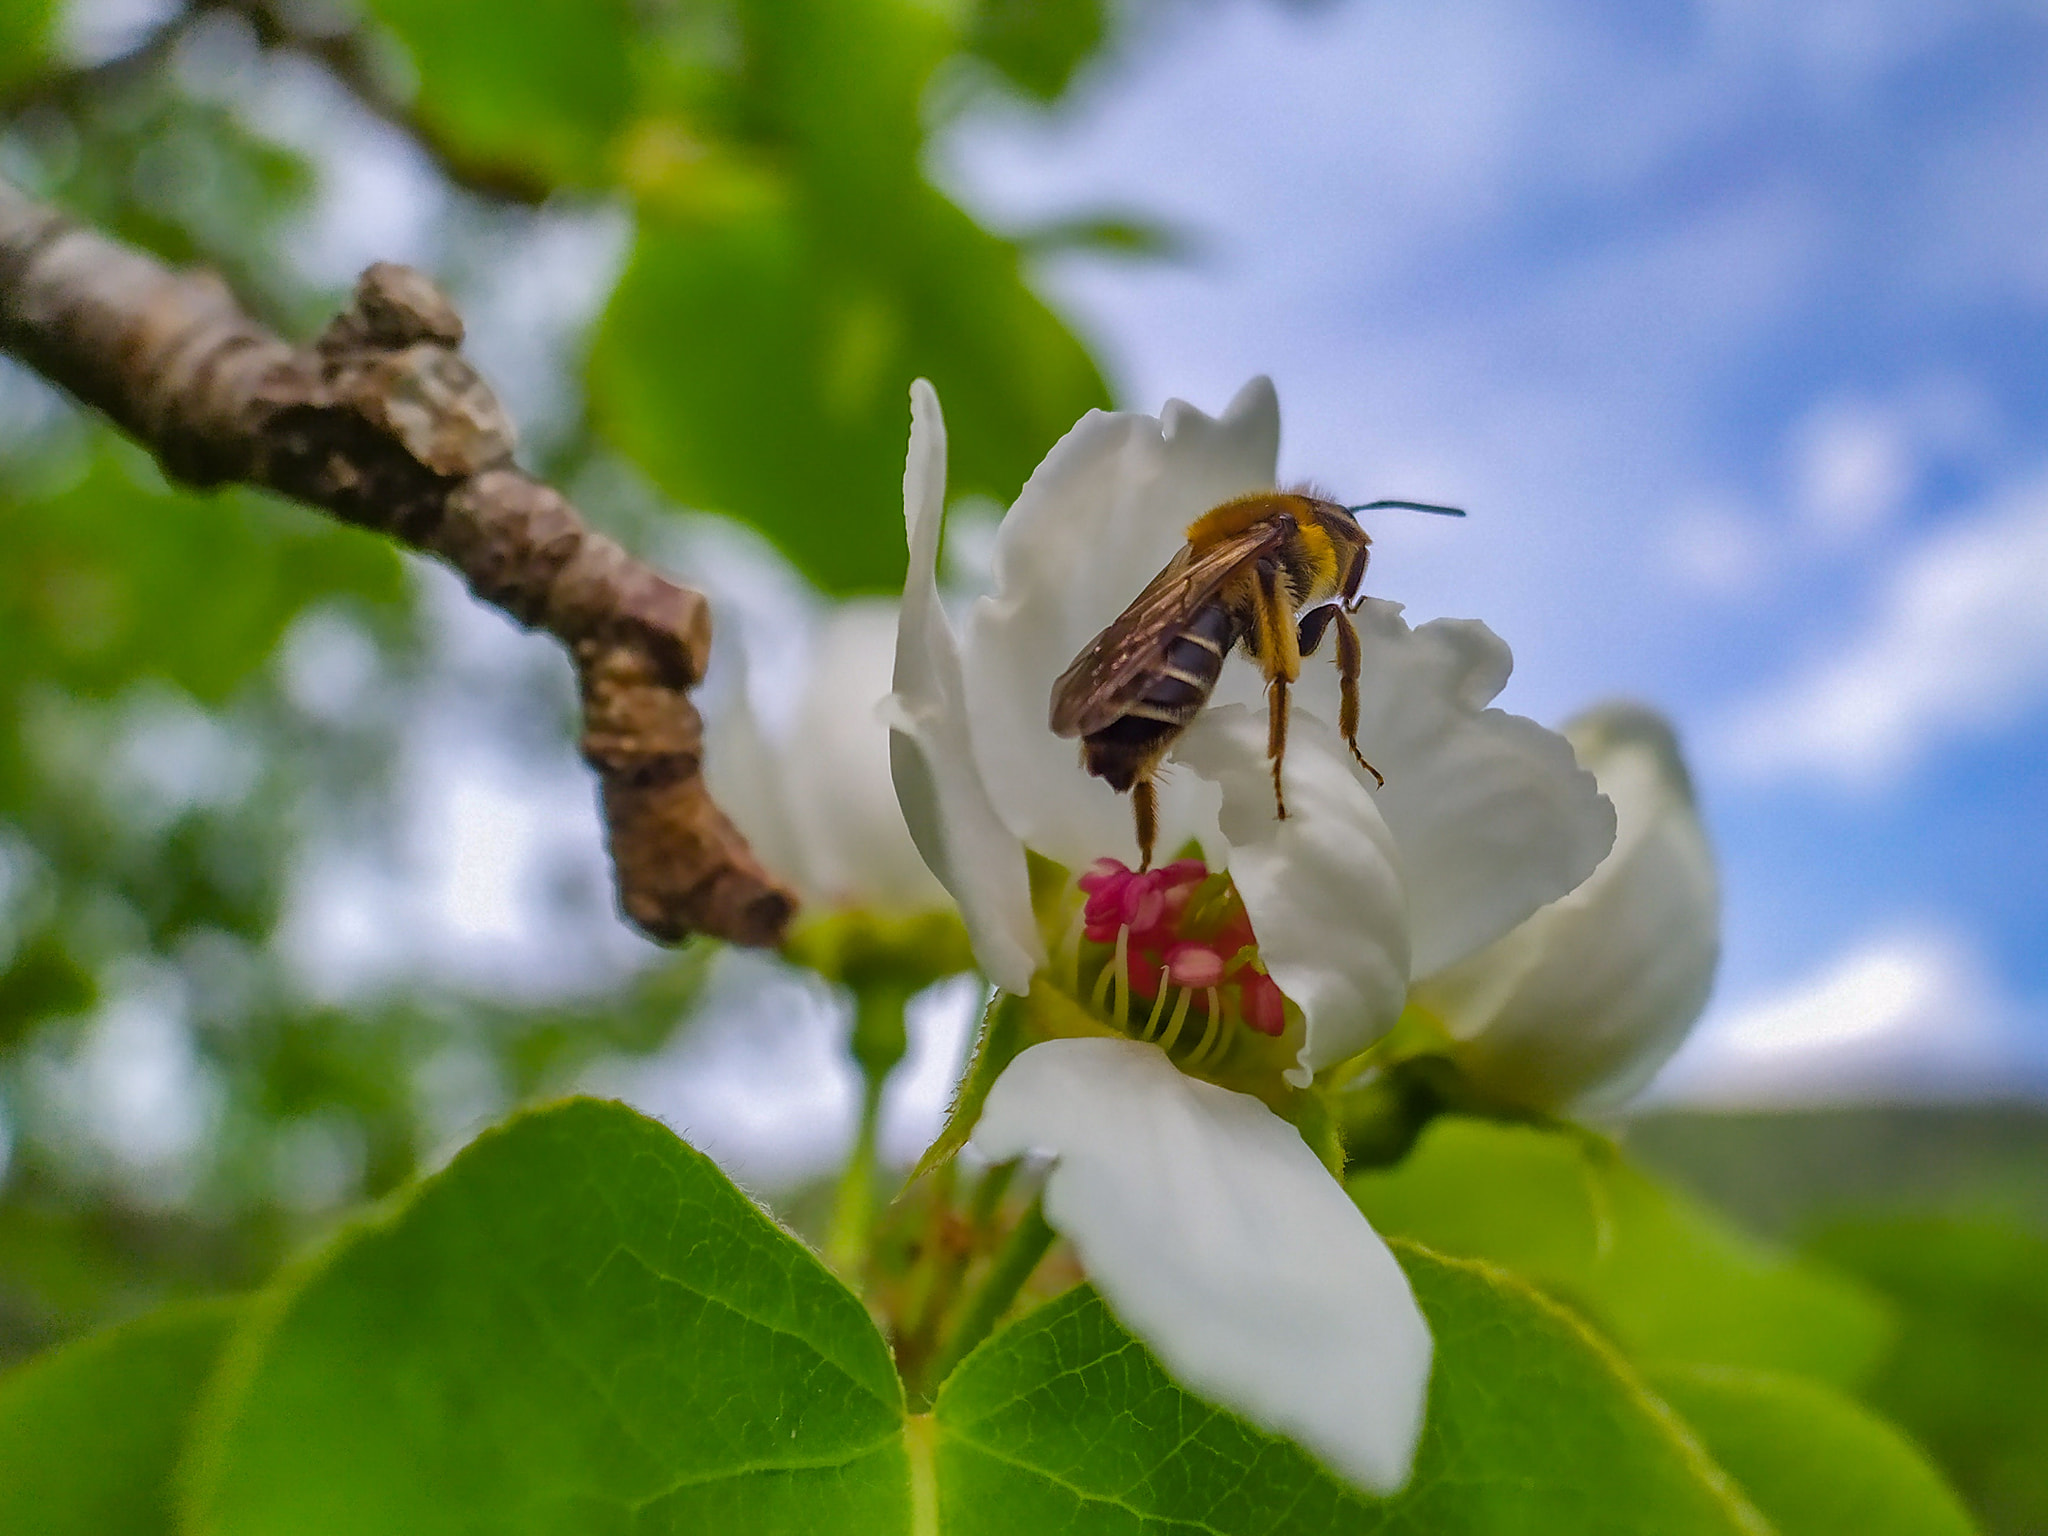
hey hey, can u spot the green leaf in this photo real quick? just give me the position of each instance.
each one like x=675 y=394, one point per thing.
x=24 y=38
x=1814 y=1462
x=1063 y=1422
x=541 y=86
x=752 y=369
x=1966 y=1378
x=1661 y=1275
x=759 y=363
x=89 y=1433
x=118 y=576
x=1037 y=44
x=580 y=1325
x=1110 y=234
x=43 y=978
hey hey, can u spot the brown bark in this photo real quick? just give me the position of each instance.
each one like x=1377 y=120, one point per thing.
x=384 y=424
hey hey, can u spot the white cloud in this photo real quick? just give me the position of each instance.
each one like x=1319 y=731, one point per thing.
x=1856 y=459
x=1842 y=48
x=1854 y=467
x=1959 y=644
x=1907 y=1016
x=1718 y=547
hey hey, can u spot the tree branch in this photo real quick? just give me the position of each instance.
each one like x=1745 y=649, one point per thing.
x=384 y=424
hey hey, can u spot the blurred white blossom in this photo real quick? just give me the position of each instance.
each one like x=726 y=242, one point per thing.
x=815 y=799
x=1582 y=1003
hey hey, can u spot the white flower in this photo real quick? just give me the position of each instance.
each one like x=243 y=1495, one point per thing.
x=1283 y=1303
x=1581 y=1004
x=1202 y=1217
x=817 y=803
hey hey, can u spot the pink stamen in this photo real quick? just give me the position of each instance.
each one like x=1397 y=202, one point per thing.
x=1194 y=965
x=1265 y=1010
x=1103 y=873
x=1147 y=906
x=1162 y=941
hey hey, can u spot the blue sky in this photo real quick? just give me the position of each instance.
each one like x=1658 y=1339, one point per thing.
x=1728 y=321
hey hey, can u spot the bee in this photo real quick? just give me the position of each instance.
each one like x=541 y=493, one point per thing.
x=1272 y=572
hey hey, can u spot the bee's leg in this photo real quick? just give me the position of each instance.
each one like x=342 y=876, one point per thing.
x=1278 y=654
x=1313 y=624
x=1349 y=660
x=1145 y=807
x=1276 y=738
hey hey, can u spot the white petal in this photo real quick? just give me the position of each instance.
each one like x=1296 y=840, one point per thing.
x=836 y=763
x=1097 y=520
x=1492 y=814
x=1221 y=1241
x=1584 y=1001
x=1323 y=888
x=931 y=760
x=745 y=776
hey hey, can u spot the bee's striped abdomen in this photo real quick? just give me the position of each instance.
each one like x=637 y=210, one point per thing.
x=1125 y=750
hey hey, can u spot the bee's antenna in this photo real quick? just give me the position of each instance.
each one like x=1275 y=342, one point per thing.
x=1412 y=506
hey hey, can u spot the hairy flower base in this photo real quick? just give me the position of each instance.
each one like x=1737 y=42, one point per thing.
x=1168 y=955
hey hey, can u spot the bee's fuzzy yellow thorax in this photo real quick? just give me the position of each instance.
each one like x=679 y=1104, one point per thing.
x=1312 y=546
x=1233 y=517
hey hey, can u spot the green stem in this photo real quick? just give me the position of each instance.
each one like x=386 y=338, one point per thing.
x=878 y=1044
x=1012 y=1266
x=853 y=1203
x=988 y=1195
x=948 y=1261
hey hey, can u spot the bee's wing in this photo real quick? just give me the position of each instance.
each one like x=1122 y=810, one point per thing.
x=1117 y=665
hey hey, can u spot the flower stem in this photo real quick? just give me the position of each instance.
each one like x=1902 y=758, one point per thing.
x=1012 y=1266
x=951 y=1241
x=878 y=1044
x=853 y=1203
x=948 y=1260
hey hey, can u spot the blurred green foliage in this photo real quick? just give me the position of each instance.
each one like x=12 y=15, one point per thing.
x=1943 y=1212
x=161 y=783
x=1660 y=1274
x=114 y=578
x=792 y=266
x=1969 y=1378
x=24 y=35
x=90 y=1435
x=545 y=87
x=794 y=269
x=1811 y=1459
